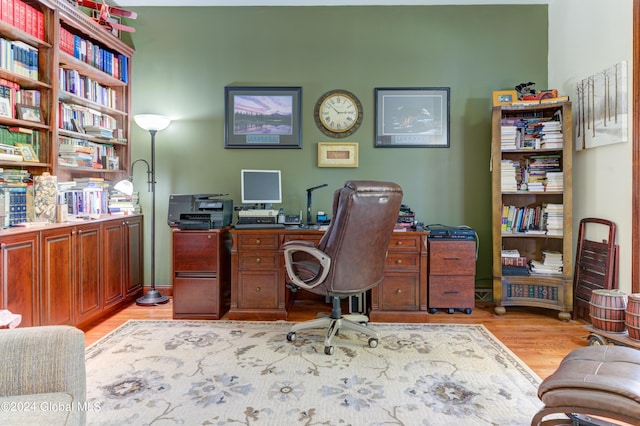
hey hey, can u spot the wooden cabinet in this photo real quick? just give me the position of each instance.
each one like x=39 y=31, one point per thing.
x=200 y=271
x=402 y=295
x=452 y=275
x=57 y=280
x=60 y=274
x=88 y=272
x=20 y=276
x=73 y=52
x=521 y=181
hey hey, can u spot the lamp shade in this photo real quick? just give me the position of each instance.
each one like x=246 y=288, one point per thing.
x=125 y=186
x=152 y=122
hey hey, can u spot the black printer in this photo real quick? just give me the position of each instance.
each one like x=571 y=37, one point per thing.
x=199 y=211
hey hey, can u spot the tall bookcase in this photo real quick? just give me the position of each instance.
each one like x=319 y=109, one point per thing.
x=80 y=72
x=532 y=207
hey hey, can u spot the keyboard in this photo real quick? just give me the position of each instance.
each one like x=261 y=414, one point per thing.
x=259 y=226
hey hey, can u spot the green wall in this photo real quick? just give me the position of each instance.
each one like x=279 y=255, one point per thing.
x=185 y=56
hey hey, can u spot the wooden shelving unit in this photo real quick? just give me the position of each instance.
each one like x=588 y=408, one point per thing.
x=552 y=291
x=61 y=16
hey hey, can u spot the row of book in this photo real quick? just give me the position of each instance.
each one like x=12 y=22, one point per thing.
x=114 y=64
x=514 y=264
x=532 y=291
x=544 y=219
x=536 y=173
x=73 y=152
x=15 y=136
x=14 y=194
x=530 y=133
x=83 y=119
x=73 y=82
x=89 y=196
x=23 y=16
x=19 y=58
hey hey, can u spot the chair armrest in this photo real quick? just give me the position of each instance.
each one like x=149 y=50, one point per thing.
x=323 y=263
x=43 y=360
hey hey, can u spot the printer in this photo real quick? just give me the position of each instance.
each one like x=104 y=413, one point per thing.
x=199 y=211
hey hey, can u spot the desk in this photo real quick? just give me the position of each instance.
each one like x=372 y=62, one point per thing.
x=258 y=276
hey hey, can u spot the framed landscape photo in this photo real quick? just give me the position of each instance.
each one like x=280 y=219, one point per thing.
x=27 y=152
x=338 y=154
x=412 y=117
x=29 y=113
x=5 y=107
x=262 y=117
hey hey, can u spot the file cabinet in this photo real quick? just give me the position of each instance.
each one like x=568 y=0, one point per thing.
x=452 y=269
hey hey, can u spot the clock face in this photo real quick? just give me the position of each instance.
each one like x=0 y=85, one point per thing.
x=338 y=113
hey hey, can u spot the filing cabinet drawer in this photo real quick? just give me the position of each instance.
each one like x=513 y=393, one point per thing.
x=401 y=261
x=400 y=292
x=452 y=257
x=452 y=291
x=258 y=242
x=195 y=296
x=195 y=251
x=258 y=260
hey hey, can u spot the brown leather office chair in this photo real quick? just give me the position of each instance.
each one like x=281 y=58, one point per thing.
x=350 y=257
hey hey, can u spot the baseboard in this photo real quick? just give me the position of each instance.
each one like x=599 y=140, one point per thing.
x=165 y=290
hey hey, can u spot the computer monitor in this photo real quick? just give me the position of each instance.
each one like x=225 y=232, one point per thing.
x=261 y=187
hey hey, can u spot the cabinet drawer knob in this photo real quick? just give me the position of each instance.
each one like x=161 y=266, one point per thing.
x=451 y=292
x=258 y=289
x=258 y=260
x=399 y=261
x=399 y=243
x=398 y=291
x=452 y=258
x=208 y=237
x=258 y=241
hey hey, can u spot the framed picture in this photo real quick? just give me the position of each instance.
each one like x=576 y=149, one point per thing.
x=412 y=117
x=504 y=97
x=29 y=113
x=27 y=152
x=262 y=117
x=337 y=154
x=5 y=107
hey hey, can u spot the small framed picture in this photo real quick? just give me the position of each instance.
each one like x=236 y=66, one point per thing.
x=29 y=113
x=504 y=97
x=27 y=152
x=5 y=107
x=338 y=154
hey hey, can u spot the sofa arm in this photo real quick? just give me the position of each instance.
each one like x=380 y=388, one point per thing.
x=43 y=360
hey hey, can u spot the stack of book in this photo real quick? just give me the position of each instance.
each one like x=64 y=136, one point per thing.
x=509 y=135
x=552 y=135
x=513 y=263
x=553 y=218
x=84 y=196
x=122 y=204
x=551 y=264
x=509 y=173
x=555 y=181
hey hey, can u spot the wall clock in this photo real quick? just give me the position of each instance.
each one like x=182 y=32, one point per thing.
x=338 y=113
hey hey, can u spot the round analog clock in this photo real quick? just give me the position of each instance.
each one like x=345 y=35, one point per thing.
x=338 y=113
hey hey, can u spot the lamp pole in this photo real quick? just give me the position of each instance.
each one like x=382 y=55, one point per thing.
x=153 y=124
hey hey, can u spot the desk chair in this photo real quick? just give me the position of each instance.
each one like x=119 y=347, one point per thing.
x=350 y=257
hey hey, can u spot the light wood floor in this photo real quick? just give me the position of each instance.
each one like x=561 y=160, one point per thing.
x=536 y=336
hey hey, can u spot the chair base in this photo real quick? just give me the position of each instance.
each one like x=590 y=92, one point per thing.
x=333 y=325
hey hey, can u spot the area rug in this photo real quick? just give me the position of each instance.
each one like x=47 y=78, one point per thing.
x=247 y=373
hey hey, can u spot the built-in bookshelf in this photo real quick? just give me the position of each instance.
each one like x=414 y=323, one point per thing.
x=64 y=93
x=531 y=207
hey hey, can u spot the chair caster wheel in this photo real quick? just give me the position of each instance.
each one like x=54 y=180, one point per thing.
x=450 y=311
x=467 y=311
x=373 y=342
x=291 y=336
x=328 y=350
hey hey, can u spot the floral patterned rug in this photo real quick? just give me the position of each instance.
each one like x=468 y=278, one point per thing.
x=247 y=373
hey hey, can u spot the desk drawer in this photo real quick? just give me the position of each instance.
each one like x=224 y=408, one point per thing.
x=257 y=242
x=195 y=251
x=401 y=242
x=302 y=237
x=402 y=262
x=258 y=260
x=399 y=292
x=452 y=258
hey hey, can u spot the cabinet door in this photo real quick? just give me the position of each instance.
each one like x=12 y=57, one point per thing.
x=88 y=272
x=113 y=266
x=195 y=252
x=19 y=269
x=134 y=254
x=57 y=276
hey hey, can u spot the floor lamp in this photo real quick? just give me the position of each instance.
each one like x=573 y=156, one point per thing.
x=152 y=123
